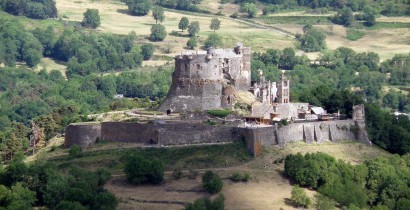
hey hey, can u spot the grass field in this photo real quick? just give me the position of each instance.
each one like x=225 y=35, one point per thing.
x=267 y=189
x=114 y=19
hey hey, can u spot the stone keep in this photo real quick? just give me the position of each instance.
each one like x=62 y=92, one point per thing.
x=205 y=80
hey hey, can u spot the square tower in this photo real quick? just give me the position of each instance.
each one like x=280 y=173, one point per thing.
x=283 y=90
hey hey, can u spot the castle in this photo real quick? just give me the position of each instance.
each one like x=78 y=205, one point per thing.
x=205 y=80
x=210 y=80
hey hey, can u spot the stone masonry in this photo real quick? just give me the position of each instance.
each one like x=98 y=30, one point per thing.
x=205 y=80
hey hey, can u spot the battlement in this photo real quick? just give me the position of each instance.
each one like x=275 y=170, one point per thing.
x=201 y=79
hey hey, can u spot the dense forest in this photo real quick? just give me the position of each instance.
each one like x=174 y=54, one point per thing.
x=40 y=184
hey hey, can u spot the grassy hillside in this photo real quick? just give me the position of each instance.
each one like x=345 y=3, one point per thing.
x=268 y=188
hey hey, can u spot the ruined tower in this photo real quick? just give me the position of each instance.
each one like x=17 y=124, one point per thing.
x=205 y=80
x=283 y=90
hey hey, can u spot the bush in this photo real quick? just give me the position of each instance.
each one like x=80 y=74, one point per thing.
x=219 y=112
x=237 y=177
x=140 y=170
x=177 y=174
x=212 y=182
x=299 y=197
x=192 y=42
x=206 y=204
x=213 y=40
x=75 y=151
x=147 y=50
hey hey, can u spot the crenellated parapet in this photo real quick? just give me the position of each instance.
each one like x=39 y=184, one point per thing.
x=201 y=79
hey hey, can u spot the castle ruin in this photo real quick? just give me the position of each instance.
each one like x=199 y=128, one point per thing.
x=210 y=79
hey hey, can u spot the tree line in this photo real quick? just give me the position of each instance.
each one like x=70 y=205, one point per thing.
x=40 y=184
x=388 y=8
x=381 y=183
x=36 y=9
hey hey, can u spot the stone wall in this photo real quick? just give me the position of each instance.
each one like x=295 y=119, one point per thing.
x=317 y=131
x=180 y=134
x=129 y=132
x=82 y=134
x=198 y=133
x=165 y=134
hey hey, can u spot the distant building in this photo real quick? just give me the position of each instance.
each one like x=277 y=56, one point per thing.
x=118 y=96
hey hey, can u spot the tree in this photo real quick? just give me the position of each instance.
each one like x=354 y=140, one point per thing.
x=46 y=38
x=158 y=14
x=215 y=24
x=212 y=182
x=147 y=50
x=139 y=7
x=158 y=33
x=183 y=23
x=213 y=40
x=344 y=17
x=192 y=42
x=299 y=197
x=370 y=19
x=250 y=9
x=193 y=28
x=91 y=19
x=140 y=170
x=288 y=59
x=313 y=39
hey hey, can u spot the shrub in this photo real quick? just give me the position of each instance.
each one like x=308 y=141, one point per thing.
x=206 y=204
x=213 y=40
x=299 y=197
x=246 y=177
x=237 y=177
x=75 y=151
x=219 y=112
x=192 y=42
x=212 y=182
x=177 y=174
x=147 y=50
x=140 y=170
